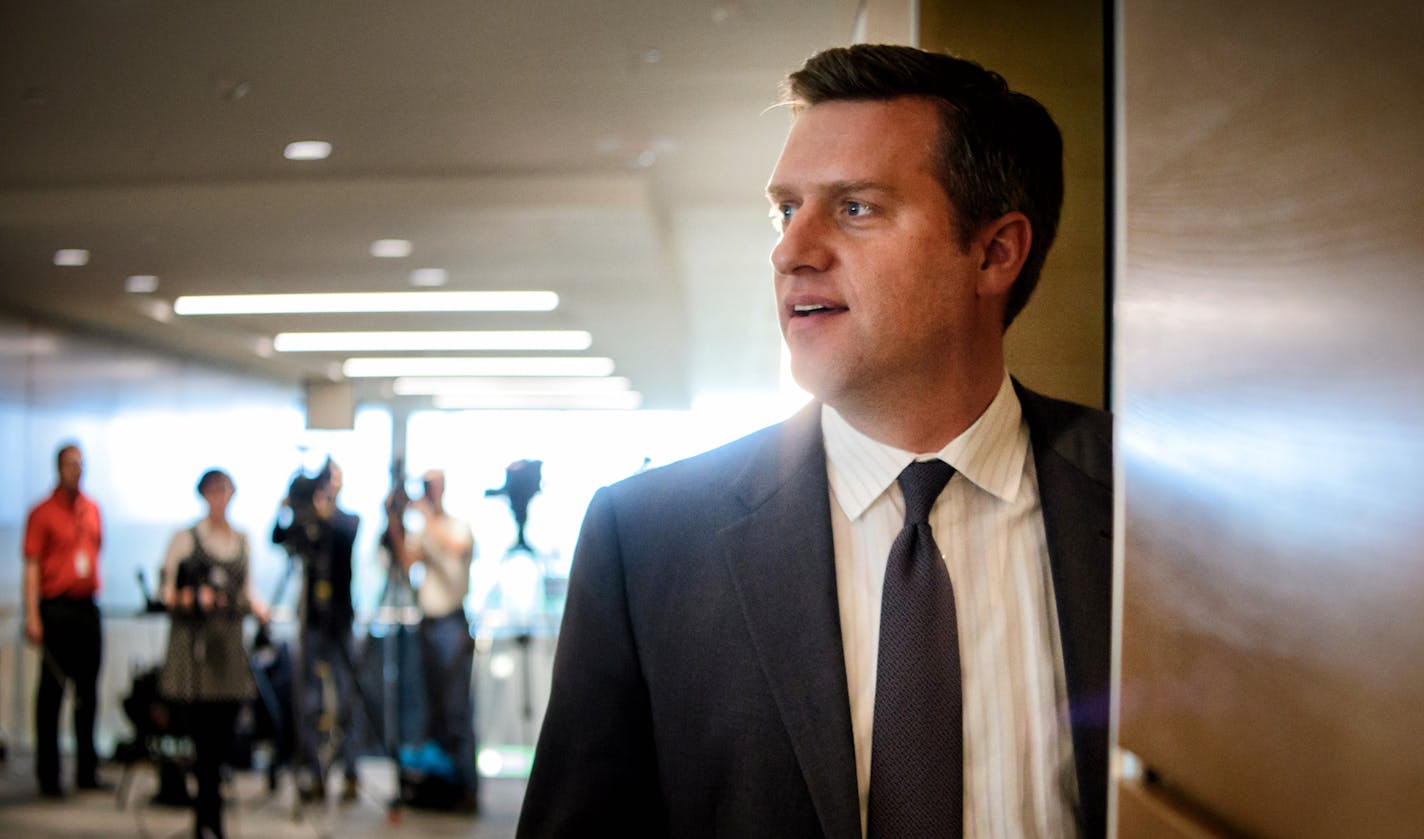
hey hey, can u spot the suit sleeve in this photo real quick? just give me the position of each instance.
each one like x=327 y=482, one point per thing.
x=595 y=770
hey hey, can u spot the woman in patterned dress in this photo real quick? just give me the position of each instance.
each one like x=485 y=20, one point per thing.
x=208 y=592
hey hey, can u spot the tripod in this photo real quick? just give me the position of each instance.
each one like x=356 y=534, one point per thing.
x=310 y=626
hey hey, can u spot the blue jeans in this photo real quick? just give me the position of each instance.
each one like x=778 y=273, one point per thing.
x=323 y=664
x=447 y=654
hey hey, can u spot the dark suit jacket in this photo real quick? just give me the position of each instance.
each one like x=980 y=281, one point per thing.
x=699 y=685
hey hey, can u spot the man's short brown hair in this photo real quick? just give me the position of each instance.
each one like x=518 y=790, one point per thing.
x=999 y=150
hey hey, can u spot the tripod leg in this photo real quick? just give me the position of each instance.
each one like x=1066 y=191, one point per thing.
x=372 y=718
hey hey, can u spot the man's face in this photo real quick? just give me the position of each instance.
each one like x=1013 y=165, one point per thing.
x=434 y=482
x=876 y=295
x=71 y=469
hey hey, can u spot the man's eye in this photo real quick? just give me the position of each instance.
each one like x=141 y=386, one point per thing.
x=855 y=208
x=781 y=214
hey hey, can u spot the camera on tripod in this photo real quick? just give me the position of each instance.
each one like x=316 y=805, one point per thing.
x=310 y=537
x=304 y=536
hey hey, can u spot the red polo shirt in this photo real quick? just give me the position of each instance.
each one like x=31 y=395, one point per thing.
x=63 y=536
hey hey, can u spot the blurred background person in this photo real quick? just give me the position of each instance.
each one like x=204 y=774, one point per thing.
x=208 y=592
x=63 y=535
x=324 y=536
x=445 y=547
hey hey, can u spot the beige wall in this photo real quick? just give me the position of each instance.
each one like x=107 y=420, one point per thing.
x=1054 y=52
x=1269 y=370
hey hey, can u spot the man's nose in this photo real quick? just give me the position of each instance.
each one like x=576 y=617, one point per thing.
x=804 y=245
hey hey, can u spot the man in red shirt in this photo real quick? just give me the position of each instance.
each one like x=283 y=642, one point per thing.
x=62 y=539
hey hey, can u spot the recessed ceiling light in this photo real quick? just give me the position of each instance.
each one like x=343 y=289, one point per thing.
x=627 y=401
x=71 y=257
x=361 y=368
x=380 y=301
x=307 y=150
x=141 y=284
x=429 y=277
x=564 y=339
x=391 y=248
x=482 y=385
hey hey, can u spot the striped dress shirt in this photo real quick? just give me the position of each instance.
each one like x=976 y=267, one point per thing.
x=1019 y=779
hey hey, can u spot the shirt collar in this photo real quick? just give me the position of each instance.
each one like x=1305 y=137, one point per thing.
x=62 y=497
x=990 y=454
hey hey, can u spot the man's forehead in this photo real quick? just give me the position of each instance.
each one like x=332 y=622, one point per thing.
x=825 y=132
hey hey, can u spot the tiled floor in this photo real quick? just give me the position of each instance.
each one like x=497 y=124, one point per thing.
x=252 y=813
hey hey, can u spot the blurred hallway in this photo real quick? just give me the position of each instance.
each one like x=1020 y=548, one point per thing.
x=251 y=812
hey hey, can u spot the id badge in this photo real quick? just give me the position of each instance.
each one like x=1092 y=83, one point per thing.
x=82 y=566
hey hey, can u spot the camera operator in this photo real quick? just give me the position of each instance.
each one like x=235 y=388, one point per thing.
x=446 y=547
x=324 y=536
x=207 y=590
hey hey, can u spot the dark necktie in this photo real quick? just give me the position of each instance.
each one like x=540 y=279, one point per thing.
x=916 y=765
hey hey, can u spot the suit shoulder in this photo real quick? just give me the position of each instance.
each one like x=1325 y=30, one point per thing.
x=709 y=472
x=1079 y=433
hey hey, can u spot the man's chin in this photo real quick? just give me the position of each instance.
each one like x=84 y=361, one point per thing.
x=816 y=379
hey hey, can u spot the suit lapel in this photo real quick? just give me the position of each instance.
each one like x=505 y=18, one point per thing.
x=1075 y=489
x=781 y=560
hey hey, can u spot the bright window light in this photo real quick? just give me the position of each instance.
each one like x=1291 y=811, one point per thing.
x=481 y=385
x=391 y=248
x=627 y=401
x=362 y=368
x=141 y=284
x=307 y=150
x=384 y=301
x=566 y=339
x=71 y=257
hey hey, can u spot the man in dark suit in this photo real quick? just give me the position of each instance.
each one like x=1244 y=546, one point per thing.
x=800 y=634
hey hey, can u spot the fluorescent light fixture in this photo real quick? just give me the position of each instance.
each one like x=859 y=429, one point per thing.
x=626 y=401
x=141 y=284
x=429 y=277
x=381 y=301
x=364 y=368
x=307 y=150
x=566 y=339
x=480 y=386
x=71 y=257
x=391 y=248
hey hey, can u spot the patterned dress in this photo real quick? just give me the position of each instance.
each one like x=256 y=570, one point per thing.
x=206 y=659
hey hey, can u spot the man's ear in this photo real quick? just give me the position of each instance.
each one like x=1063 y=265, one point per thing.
x=1003 y=244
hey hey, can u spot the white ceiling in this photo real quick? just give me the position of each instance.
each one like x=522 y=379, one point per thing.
x=613 y=152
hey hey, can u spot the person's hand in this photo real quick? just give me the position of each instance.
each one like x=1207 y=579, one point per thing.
x=262 y=613
x=206 y=598
x=34 y=630
x=185 y=597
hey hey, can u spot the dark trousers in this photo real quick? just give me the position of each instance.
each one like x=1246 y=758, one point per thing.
x=327 y=659
x=210 y=725
x=73 y=645
x=447 y=655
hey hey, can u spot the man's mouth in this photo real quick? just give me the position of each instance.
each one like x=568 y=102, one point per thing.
x=802 y=310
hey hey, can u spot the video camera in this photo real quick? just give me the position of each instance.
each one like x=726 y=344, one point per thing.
x=305 y=536
x=194 y=574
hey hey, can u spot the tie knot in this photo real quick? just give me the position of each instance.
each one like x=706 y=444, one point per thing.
x=921 y=483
